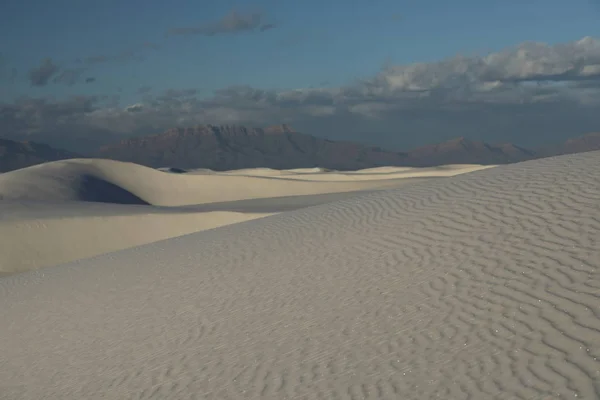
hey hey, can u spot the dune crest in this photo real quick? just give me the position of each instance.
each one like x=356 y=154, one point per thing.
x=483 y=286
x=49 y=213
x=110 y=181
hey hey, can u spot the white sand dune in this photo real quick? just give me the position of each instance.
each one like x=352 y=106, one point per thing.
x=480 y=286
x=41 y=235
x=127 y=183
x=371 y=174
x=50 y=213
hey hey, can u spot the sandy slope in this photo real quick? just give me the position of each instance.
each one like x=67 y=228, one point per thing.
x=127 y=183
x=64 y=226
x=67 y=232
x=481 y=286
x=50 y=213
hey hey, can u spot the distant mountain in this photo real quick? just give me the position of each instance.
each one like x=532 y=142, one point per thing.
x=280 y=147
x=579 y=144
x=465 y=151
x=16 y=155
x=234 y=147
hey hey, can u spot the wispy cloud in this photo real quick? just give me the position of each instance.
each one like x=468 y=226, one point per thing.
x=7 y=72
x=41 y=75
x=144 y=90
x=69 y=76
x=48 y=72
x=14 y=73
x=266 y=27
x=134 y=108
x=234 y=22
x=130 y=54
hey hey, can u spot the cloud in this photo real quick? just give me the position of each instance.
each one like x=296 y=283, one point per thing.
x=40 y=75
x=90 y=79
x=131 y=54
x=48 y=72
x=266 y=27
x=31 y=115
x=124 y=56
x=69 y=76
x=13 y=75
x=530 y=94
x=234 y=22
x=144 y=90
x=6 y=72
x=171 y=94
x=134 y=108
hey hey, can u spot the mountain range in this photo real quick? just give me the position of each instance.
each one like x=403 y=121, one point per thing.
x=280 y=147
x=16 y=155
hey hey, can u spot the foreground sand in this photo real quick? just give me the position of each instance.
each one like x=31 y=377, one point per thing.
x=50 y=213
x=481 y=286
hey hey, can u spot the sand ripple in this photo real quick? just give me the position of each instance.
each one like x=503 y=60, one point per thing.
x=480 y=286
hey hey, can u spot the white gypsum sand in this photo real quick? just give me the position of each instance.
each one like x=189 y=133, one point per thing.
x=119 y=182
x=49 y=214
x=482 y=286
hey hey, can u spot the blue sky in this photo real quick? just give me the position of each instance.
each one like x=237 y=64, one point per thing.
x=329 y=43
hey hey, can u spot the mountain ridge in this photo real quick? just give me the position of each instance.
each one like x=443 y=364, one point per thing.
x=16 y=155
x=226 y=147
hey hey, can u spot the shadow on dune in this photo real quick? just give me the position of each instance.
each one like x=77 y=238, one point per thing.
x=173 y=170
x=176 y=171
x=98 y=190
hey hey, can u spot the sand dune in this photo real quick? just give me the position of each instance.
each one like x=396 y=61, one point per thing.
x=44 y=236
x=322 y=174
x=127 y=183
x=481 y=286
x=50 y=213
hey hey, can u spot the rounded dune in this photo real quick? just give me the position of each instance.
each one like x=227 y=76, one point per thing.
x=483 y=286
x=49 y=213
x=99 y=180
x=70 y=180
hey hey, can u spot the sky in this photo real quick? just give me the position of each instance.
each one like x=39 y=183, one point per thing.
x=397 y=74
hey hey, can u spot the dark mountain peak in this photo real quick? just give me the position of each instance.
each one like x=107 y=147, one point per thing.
x=588 y=142
x=511 y=148
x=282 y=128
x=462 y=150
x=199 y=133
x=28 y=146
x=225 y=147
x=15 y=155
x=279 y=146
x=590 y=138
x=222 y=147
x=226 y=130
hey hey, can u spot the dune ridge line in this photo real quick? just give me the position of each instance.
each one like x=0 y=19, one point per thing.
x=69 y=210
